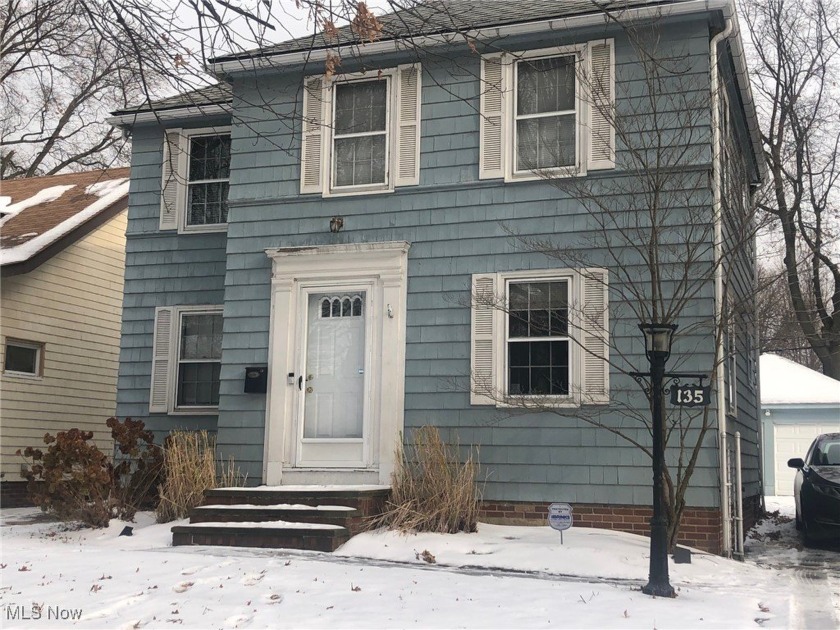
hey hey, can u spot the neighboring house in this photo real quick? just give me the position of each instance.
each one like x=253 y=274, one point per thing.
x=62 y=260
x=797 y=405
x=339 y=255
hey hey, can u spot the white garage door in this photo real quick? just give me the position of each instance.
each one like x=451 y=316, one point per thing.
x=793 y=440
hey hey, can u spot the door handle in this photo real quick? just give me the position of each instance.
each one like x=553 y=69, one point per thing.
x=300 y=382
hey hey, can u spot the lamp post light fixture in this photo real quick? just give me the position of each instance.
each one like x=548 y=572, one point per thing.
x=658 y=339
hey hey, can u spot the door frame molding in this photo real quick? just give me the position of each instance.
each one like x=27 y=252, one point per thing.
x=385 y=265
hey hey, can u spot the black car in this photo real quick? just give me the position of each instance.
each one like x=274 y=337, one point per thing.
x=817 y=490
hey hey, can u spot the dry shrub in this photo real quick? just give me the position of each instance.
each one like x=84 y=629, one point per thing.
x=190 y=467
x=431 y=489
x=74 y=481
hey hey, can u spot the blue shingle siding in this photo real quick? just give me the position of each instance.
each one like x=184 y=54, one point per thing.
x=162 y=269
x=457 y=226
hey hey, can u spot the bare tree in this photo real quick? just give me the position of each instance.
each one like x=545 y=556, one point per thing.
x=796 y=68
x=778 y=329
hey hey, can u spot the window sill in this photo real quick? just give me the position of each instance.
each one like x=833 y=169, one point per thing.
x=539 y=402
x=24 y=376
x=548 y=174
x=198 y=411
x=200 y=229
x=357 y=192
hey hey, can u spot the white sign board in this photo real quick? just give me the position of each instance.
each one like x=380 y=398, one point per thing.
x=560 y=516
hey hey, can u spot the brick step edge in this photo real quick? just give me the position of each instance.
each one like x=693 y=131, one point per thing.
x=235 y=515
x=308 y=539
x=359 y=499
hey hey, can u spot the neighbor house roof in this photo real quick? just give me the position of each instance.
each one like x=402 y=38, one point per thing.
x=784 y=382
x=40 y=216
x=218 y=94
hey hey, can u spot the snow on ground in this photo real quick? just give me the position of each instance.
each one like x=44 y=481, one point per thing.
x=97 y=579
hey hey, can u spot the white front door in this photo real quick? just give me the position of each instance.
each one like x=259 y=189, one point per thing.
x=335 y=405
x=333 y=382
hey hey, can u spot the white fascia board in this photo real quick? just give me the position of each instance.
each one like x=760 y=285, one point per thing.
x=192 y=111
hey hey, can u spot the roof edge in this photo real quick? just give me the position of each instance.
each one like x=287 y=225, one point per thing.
x=72 y=237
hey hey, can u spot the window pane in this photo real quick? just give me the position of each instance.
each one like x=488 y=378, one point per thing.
x=538 y=309
x=545 y=85
x=207 y=203
x=538 y=368
x=21 y=359
x=210 y=157
x=545 y=142
x=198 y=384
x=360 y=161
x=360 y=107
x=201 y=336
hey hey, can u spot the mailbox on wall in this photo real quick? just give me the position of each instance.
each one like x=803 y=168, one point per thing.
x=256 y=380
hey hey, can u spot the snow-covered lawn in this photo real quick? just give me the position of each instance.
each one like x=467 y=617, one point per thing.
x=107 y=581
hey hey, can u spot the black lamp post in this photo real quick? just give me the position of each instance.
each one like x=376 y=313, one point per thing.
x=658 y=338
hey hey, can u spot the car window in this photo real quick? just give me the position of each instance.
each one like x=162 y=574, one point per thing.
x=825 y=452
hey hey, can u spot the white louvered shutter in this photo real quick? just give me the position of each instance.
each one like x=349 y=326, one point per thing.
x=482 y=346
x=596 y=345
x=311 y=152
x=602 y=107
x=491 y=160
x=161 y=359
x=173 y=179
x=408 y=126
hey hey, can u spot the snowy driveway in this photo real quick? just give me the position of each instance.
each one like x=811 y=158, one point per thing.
x=813 y=574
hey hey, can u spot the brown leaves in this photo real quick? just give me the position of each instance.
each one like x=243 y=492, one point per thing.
x=365 y=25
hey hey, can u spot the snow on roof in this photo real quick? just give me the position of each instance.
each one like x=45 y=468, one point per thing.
x=785 y=382
x=39 y=211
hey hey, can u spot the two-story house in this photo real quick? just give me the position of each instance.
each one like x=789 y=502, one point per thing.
x=306 y=249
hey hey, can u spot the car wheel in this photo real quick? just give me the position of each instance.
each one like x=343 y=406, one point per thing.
x=807 y=539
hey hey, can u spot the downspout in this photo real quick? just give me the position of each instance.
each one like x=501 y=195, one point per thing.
x=720 y=381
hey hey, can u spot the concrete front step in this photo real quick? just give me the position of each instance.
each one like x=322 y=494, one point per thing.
x=339 y=515
x=266 y=534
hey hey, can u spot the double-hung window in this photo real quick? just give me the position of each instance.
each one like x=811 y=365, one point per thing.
x=186 y=359
x=195 y=180
x=540 y=337
x=360 y=134
x=538 y=351
x=199 y=359
x=209 y=175
x=545 y=120
x=547 y=111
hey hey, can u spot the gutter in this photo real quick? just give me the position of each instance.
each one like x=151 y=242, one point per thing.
x=720 y=381
x=146 y=116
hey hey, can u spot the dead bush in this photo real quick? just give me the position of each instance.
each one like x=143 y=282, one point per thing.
x=73 y=480
x=431 y=489
x=190 y=467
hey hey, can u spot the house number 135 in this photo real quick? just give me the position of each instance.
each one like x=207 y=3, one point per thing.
x=691 y=396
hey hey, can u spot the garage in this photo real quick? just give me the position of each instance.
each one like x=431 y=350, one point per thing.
x=797 y=405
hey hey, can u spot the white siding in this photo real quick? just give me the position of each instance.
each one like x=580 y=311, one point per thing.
x=73 y=305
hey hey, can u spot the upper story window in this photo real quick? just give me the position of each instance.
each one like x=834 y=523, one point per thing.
x=361 y=132
x=546 y=113
x=548 y=110
x=195 y=180
x=209 y=169
x=360 y=136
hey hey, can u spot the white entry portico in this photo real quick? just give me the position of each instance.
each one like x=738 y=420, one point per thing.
x=336 y=363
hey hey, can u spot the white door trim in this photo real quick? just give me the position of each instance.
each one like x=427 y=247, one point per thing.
x=385 y=266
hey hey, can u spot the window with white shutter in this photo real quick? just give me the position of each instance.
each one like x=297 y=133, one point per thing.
x=361 y=132
x=186 y=359
x=540 y=336
x=547 y=111
x=195 y=174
